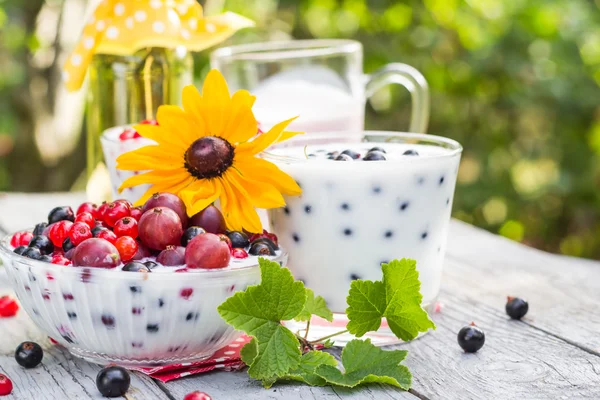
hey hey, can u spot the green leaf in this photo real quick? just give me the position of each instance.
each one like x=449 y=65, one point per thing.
x=397 y=298
x=258 y=312
x=305 y=372
x=249 y=351
x=365 y=363
x=314 y=306
x=328 y=344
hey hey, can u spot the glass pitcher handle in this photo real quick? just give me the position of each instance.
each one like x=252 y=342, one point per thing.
x=413 y=81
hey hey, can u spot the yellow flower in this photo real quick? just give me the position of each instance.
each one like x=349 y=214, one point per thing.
x=207 y=151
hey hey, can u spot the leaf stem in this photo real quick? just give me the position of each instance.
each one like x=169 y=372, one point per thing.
x=328 y=337
x=304 y=343
x=307 y=327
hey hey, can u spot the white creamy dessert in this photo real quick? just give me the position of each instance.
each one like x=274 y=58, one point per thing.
x=354 y=215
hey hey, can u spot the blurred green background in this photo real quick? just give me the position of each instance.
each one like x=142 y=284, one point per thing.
x=517 y=82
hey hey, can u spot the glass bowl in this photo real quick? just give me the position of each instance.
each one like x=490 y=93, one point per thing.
x=128 y=318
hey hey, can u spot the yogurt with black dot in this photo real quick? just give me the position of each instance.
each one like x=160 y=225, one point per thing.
x=354 y=215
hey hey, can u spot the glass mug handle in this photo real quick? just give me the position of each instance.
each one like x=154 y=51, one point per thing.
x=413 y=81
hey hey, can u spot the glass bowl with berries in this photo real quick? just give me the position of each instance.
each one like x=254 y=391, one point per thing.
x=136 y=286
x=119 y=140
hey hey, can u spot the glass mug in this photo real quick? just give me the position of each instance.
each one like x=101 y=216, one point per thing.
x=321 y=81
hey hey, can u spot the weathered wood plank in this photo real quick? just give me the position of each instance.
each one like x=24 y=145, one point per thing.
x=563 y=292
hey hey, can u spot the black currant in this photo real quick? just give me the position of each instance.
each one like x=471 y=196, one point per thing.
x=191 y=233
x=374 y=156
x=33 y=253
x=113 y=381
x=471 y=338
x=60 y=214
x=516 y=308
x=261 y=249
x=410 y=153
x=29 y=354
x=42 y=243
x=39 y=228
x=352 y=154
x=135 y=266
x=20 y=250
x=267 y=241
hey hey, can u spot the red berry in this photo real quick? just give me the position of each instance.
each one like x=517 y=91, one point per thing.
x=197 y=396
x=60 y=260
x=129 y=133
x=126 y=226
x=124 y=202
x=114 y=212
x=108 y=236
x=6 y=385
x=172 y=256
x=207 y=251
x=86 y=218
x=239 y=253
x=265 y=234
x=79 y=232
x=101 y=210
x=59 y=231
x=136 y=213
x=21 y=239
x=8 y=307
x=87 y=207
x=168 y=200
x=127 y=247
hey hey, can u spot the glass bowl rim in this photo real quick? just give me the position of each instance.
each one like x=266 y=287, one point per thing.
x=454 y=147
x=208 y=275
x=285 y=50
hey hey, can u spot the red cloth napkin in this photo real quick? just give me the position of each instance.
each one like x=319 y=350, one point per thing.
x=226 y=359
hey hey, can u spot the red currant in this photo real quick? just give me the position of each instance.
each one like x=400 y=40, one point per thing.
x=114 y=212
x=21 y=239
x=197 y=396
x=126 y=226
x=59 y=232
x=101 y=210
x=86 y=218
x=87 y=207
x=129 y=133
x=136 y=213
x=79 y=232
x=125 y=202
x=239 y=253
x=8 y=307
x=107 y=235
x=60 y=260
x=6 y=385
x=127 y=247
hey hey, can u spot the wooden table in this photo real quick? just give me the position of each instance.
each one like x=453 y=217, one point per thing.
x=554 y=353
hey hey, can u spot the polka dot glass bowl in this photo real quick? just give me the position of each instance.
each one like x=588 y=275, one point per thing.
x=354 y=215
x=127 y=318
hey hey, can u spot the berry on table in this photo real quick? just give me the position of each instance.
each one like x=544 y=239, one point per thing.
x=197 y=396
x=127 y=247
x=207 y=251
x=126 y=226
x=191 y=233
x=21 y=239
x=516 y=308
x=136 y=213
x=210 y=219
x=20 y=250
x=42 y=243
x=261 y=249
x=160 y=227
x=40 y=228
x=239 y=253
x=97 y=253
x=374 y=156
x=107 y=235
x=113 y=381
x=172 y=256
x=6 y=385
x=168 y=200
x=135 y=266
x=59 y=231
x=86 y=218
x=114 y=212
x=238 y=239
x=33 y=253
x=8 y=307
x=29 y=354
x=351 y=153
x=471 y=338
x=79 y=232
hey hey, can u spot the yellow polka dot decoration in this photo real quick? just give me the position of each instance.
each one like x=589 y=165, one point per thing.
x=122 y=27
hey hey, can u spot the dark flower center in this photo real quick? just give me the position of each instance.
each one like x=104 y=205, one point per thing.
x=209 y=157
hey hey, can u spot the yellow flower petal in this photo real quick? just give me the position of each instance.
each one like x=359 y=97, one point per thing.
x=165 y=186
x=200 y=195
x=177 y=121
x=288 y=135
x=145 y=158
x=152 y=177
x=239 y=213
x=266 y=139
x=259 y=194
x=161 y=136
x=265 y=171
x=242 y=126
x=216 y=103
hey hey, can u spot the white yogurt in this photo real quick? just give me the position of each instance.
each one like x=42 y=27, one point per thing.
x=354 y=215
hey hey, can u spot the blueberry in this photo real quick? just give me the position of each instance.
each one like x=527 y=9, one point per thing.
x=471 y=338
x=516 y=308
x=135 y=266
x=60 y=214
x=42 y=243
x=404 y=206
x=343 y=157
x=296 y=237
x=20 y=250
x=354 y=277
x=67 y=244
x=389 y=234
x=113 y=381
x=352 y=154
x=96 y=230
x=267 y=241
x=239 y=240
x=33 y=253
x=374 y=156
x=410 y=153
x=29 y=354
x=191 y=233
x=151 y=264
x=347 y=231
x=152 y=328
x=39 y=228
x=307 y=209
x=345 y=206
x=108 y=320
x=261 y=249
x=380 y=149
